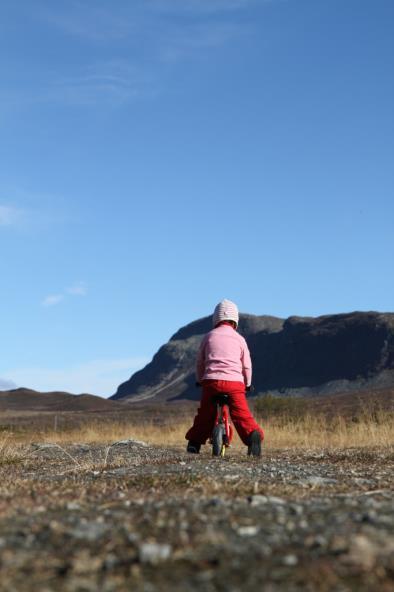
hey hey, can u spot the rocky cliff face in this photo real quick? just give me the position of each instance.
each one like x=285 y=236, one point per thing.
x=333 y=353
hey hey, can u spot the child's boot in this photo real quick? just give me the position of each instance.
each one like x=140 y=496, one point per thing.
x=193 y=447
x=254 y=446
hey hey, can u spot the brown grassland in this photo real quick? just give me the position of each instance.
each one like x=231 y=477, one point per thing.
x=112 y=502
x=288 y=423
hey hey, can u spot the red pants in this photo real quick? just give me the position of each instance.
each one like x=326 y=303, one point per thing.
x=241 y=415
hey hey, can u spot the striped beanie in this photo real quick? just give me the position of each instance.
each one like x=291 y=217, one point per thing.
x=225 y=311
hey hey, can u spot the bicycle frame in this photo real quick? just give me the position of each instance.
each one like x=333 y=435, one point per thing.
x=222 y=420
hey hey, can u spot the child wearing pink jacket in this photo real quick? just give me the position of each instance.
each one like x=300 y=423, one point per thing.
x=224 y=366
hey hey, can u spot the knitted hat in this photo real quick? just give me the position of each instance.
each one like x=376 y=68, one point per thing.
x=225 y=311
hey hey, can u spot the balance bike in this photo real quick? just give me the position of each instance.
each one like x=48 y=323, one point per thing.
x=222 y=432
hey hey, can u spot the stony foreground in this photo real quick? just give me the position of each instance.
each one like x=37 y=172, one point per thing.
x=134 y=517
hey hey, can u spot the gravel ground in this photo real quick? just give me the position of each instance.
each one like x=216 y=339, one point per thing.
x=133 y=517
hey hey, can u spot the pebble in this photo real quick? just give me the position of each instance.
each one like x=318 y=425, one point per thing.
x=338 y=545
x=158 y=524
x=73 y=506
x=89 y=531
x=154 y=553
x=257 y=500
x=315 y=481
x=362 y=551
x=247 y=531
x=290 y=560
x=128 y=442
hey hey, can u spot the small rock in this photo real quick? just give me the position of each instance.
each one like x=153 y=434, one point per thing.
x=278 y=501
x=362 y=552
x=44 y=446
x=154 y=553
x=215 y=501
x=361 y=481
x=315 y=542
x=85 y=563
x=296 y=509
x=338 y=545
x=257 y=500
x=73 y=506
x=110 y=561
x=82 y=448
x=315 y=481
x=247 y=531
x=89 y=531
x=290 y=560
x=128 y=442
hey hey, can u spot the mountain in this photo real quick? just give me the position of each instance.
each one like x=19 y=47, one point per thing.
x=296 y=356
x=23 y=399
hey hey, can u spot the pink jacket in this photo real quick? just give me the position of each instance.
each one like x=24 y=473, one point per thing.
x=224 y=355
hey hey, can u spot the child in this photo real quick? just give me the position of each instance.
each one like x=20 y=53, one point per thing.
x=224 y=366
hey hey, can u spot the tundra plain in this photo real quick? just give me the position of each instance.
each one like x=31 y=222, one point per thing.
x=115 y=503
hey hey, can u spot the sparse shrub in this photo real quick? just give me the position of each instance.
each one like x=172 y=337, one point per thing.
x=289 y=422
x=371 y=410
x=284 y=408
x=10 y=454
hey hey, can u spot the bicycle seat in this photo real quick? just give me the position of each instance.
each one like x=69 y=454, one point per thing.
x=222 y=399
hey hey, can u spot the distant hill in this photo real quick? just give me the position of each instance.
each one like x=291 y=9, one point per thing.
x=296 y=356
x=23 y=399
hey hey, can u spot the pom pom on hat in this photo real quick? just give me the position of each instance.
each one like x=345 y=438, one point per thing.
x=225 y=311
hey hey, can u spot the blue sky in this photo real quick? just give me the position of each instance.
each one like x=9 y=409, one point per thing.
x=157 y=156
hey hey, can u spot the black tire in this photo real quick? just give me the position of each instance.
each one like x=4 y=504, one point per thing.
x=217 y=440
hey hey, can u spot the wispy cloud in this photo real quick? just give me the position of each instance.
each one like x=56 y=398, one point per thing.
x=197 y=38
x=200 y=6
x=52 y=299
x=99 y=377
x=102 y=24
x=29 y=210
x=88 y=21
x=10 y=215
x=139 y=37
x=113 y=82
x=96 y=23
x=110 y=83
x=77 y=289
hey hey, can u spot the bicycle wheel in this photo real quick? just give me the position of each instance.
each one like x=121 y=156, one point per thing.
x=217 y=440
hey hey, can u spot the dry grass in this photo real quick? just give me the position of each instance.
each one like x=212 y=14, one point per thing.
x=171 y=434
x=300 y=423
x=307 y=431
x=11 y=453
x=320 y=432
